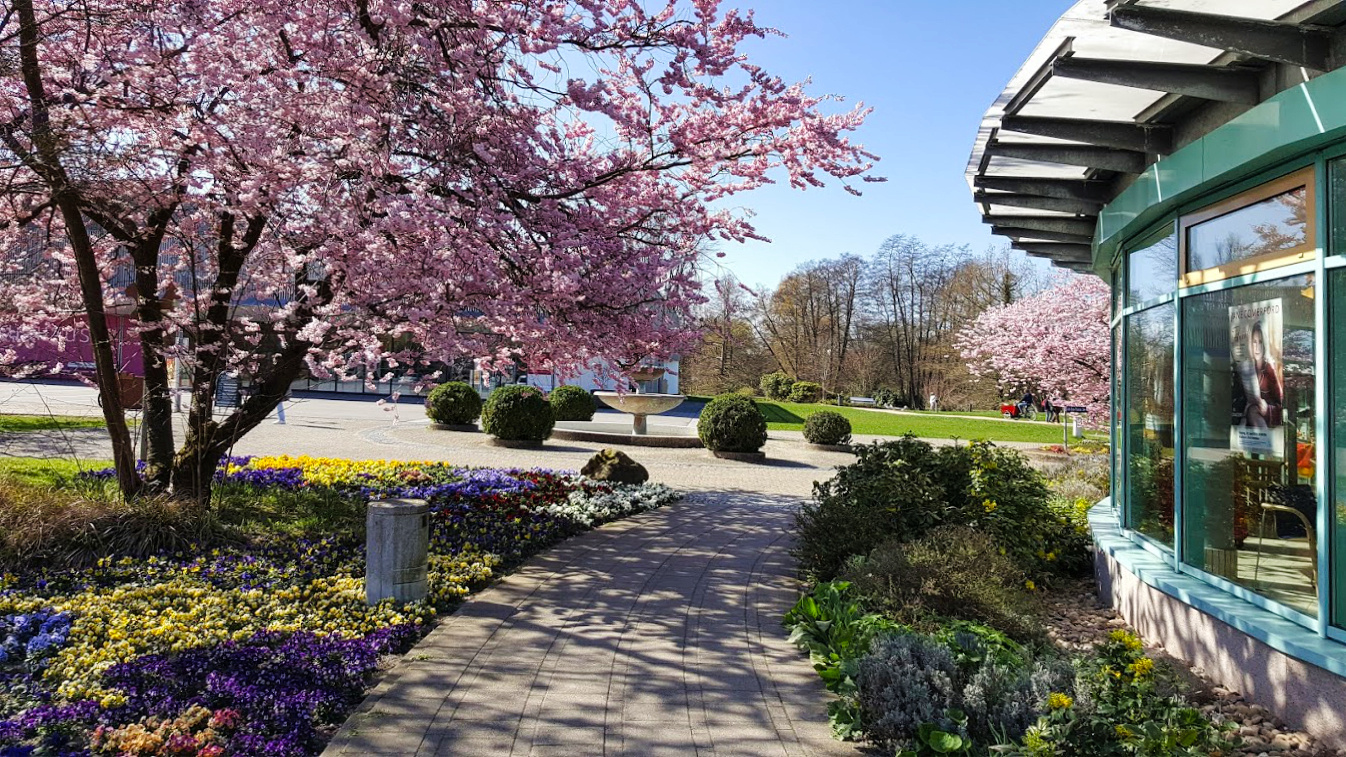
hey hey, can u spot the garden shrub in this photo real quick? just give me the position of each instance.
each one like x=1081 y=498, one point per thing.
x=777 y=386
x=731 y=423
x=517 y=413
x=572 y=403
x=913 y=689
x=454 y=404
x=827 y=427
x=885 y=398
x=951 y=572
x=806 y=391
x=903 y=488
x=908 y=680
x=746 y=391
x=892 y=489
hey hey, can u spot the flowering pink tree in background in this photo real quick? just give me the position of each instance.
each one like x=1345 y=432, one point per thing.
x=270 y=185
x=1056 y=343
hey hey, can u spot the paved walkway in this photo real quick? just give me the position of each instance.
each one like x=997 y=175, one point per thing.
x=657 y=635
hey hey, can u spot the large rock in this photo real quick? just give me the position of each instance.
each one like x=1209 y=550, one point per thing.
x=617 y=466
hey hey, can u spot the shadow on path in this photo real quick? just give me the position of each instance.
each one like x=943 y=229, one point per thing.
x=660 y=634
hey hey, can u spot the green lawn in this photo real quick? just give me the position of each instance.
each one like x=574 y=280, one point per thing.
x=13 y=423
x=983 y=413
x=46 y=472
x=789 y=416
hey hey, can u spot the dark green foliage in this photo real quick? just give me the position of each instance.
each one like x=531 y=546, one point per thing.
x=518 y=413
x=454 y=404
x=806 y=391
x=885 y=398
x=899 y=490
x=892 y=489
x=572 y=403
x=951 y=572
x=777 y=386
x=732 y=423
x=827 y=427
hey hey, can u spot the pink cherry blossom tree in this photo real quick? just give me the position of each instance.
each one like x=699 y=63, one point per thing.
x=1056 y=343
x=274 y=185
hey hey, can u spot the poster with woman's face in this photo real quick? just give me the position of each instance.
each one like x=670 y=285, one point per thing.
x=1255 y=333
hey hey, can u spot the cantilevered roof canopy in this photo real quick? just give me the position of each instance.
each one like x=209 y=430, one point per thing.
x=1118 y=84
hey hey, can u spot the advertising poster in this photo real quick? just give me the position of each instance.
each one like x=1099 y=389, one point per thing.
x=1255 y=338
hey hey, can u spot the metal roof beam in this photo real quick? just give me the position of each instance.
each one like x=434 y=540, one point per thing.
x=1065 y=189
x=1039 y=235
x=1148 y=138
x=1107 y=158
x=1057 y=250
x=1056 y=204
x=1278 y=41
x=1083 y=227
x=1206 y=82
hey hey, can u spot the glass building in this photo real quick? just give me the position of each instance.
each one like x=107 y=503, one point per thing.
x=1193 y=153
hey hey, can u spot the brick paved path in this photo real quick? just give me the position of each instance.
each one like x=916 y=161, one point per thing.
x=656 y=635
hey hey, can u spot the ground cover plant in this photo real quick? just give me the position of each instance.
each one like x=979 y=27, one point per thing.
x=791 y=416
x=924 y=614
x=259 y=641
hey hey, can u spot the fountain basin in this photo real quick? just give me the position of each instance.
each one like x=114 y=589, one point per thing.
x=640 y=406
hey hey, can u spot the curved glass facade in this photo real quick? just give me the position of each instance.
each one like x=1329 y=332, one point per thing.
x=1230 y=422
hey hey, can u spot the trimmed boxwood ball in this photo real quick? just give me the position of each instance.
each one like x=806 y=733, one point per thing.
x=572 y=403
x=453 y=404
x=517 y=413
x=827 y=427
x=732 y=423
x=806 y=391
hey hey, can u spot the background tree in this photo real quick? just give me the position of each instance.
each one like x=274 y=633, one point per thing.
x=330 y=177
x=1056 y=343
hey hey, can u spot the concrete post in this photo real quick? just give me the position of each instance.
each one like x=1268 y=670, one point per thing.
x=396 y=550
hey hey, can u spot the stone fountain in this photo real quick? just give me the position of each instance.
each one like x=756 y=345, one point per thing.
x=641 y=405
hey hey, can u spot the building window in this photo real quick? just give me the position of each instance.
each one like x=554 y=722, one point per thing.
x=1149 y=423
x=1263 y=228
x=1337 y=358
x=1118 y=432
x=1336 y=193
x=1152 y=271
x=1249 y=503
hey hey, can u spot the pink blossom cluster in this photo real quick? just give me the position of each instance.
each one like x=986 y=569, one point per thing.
x=387 y=179
x=1056 y=343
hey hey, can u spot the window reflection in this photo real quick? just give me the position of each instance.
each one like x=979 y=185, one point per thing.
x=1276 y=224
x=1153 y=270
x=1149 y=413
x=1249 y=506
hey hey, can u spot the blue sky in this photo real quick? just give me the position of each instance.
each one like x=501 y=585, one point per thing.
x=930 y=69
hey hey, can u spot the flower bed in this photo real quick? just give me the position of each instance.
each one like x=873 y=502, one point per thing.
x=261 y=646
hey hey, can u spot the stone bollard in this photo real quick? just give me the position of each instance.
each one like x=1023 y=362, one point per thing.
x=397 y=541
